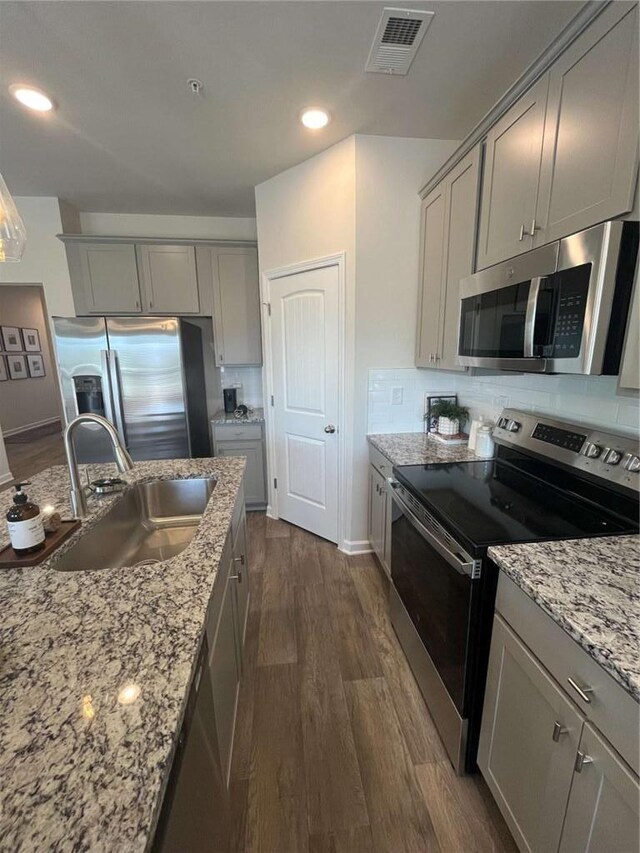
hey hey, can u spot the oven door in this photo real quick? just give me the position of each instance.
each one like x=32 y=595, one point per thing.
x=435 y=579
x=498 y=307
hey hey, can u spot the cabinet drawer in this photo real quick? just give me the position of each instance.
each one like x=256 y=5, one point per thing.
x=237 y=432
x=611 y=709
x=380 y=461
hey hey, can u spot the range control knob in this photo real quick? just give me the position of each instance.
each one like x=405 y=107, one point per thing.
x=613 y=457
x=512 y=426
x=591 y=450
x=632 y=463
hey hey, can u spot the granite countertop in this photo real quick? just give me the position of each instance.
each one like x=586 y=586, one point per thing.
x=255 y=416
x=79 y=770
x=418 y=448
x=591 y=588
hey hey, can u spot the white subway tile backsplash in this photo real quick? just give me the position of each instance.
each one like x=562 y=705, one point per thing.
x=590 y=400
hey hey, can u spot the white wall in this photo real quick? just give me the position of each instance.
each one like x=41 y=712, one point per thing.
x=190 y=227
x=44 y=260
x=358 y=197
x=593 y=400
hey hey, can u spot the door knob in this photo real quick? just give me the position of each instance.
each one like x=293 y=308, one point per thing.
x=329 y=428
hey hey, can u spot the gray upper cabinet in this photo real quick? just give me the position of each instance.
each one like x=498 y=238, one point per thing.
x=104 y=278
x=528 y=742
x=602 y=813
x=168 y=278
x=232 y=273
x=589 y=162
x=447 y=253
x=513 y=152
x=432 y=251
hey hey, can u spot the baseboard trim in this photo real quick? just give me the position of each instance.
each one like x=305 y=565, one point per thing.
x=6 y=478
x=357 y=546
x=7 y=433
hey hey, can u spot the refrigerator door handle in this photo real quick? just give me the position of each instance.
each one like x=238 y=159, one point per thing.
x=106 y=387
x=116 y=396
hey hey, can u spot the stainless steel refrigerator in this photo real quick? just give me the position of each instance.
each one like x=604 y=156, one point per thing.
x=144 y=374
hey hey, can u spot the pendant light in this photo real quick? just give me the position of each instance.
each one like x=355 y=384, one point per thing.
x=13 y=234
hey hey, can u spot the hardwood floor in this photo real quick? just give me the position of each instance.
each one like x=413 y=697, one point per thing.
x=33 y=451
x=335 y=751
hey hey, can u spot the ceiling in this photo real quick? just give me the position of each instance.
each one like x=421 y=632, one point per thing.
x=128 y=136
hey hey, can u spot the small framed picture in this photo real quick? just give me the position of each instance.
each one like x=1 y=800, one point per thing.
x=11 y=339
x=431 y=423
x=17 y=367
x=31 y=339
x=36 y=366
x=4 y=376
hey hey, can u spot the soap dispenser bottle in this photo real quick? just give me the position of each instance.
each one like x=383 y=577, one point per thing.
x=26 y=530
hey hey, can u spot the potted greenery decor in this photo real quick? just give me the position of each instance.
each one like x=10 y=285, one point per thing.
x=451 y=417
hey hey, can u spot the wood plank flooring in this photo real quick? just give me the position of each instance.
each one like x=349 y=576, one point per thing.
x=335 y=751
x=33 y=451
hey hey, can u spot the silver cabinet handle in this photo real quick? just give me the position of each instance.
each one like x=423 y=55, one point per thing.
x=239 y=559
x=237 y=577
x=558 y=729
x=535 y=227
x=220 y=358
x=524 y=233
x=581 y=691
x=137 y=304
x=581 y=759
x=330 y=428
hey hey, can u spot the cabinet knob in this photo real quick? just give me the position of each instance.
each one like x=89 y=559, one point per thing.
x=220 y=358
x=581 y=759
x=558 y=729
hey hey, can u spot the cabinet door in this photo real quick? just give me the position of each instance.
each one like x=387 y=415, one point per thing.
x=462 y=185
x=236 y=306
x=388 y=510
x=602 y=815
x=511 y=174
x=589 y=163
x=377 y=513
x=527 y=768
x=225 y=675
x=169 y=280
x=430 y=286
x=254 y=484
x=109 y=276
x=240 y=577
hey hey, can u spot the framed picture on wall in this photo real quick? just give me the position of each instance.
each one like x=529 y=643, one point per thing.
x=11 y=339
x=36 y=366
x=31 y=339
x=17 y=367
x=4 y=376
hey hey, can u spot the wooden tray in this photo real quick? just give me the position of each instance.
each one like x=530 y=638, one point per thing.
x=10 y=560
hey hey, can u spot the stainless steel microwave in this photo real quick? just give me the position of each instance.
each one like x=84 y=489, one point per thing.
x=561 y=308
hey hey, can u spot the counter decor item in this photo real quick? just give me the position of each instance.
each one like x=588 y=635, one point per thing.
x=241 y=411
x=448 y=416
x=431 y=420
x=24 y=522
x=476 y=423
x=485 y=446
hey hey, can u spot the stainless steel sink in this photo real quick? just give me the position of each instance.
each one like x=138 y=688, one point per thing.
x=151 y=522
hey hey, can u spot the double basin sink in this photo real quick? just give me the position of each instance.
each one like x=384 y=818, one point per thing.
x=150 y=523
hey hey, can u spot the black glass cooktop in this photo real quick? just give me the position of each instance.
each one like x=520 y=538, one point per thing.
x=495 y=502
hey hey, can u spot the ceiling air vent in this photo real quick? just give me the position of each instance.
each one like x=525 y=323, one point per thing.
x=397 y=40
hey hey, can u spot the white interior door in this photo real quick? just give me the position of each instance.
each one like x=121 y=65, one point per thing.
x=305 y=359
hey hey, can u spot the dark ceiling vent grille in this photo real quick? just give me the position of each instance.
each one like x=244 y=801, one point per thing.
x=397 y=39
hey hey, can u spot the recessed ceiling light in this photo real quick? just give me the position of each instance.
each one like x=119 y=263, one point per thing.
x=314 y=118
x=34 y=99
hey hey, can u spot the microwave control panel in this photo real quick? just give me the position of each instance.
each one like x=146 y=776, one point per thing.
x=572 y=286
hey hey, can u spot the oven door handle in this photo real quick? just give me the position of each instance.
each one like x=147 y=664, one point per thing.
x=530 y=316
x=464 y=567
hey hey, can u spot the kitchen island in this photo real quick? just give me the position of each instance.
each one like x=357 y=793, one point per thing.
x=82 y=766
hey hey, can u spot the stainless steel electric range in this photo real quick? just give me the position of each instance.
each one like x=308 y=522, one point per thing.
x=549 y=480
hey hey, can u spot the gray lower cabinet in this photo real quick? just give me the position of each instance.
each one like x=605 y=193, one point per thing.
x=513 y=152
x=232 y=273
x=560 y=762
x=245 y=440
x=240 y=576
x=589 y=160
x=602 y=814
x=449 y=216
x=168 y=278
x=380 y=507
x=104 y=278
x=529 y=773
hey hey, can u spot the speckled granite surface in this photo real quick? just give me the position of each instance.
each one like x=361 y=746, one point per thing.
x=255 y=416
x=591 y=588
x=417 y=448
x=82 y=773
